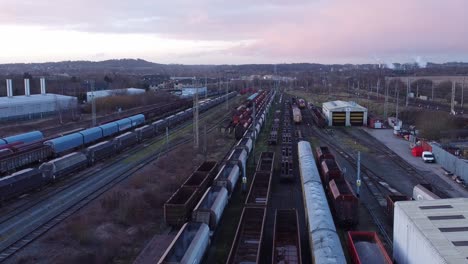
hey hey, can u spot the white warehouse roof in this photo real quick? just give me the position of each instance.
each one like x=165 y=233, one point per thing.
x=105 y=93
x=431 y=231
x=343 y=106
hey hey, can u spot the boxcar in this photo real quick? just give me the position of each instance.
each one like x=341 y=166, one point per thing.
x=21 y=182
x=126 y=140
x=64 y=166
x=100 y=151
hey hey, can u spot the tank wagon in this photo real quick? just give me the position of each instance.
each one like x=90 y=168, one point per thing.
x=228 y=176
x=366 y=247
x=344 y=202
x=188 y=246
x=248 y=238
x=323 y=238
x=211 y=206
x=422 y=193
x=286 y=238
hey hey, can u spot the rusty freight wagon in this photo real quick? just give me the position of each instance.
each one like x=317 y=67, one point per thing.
x=248 y=238
x=323 y=153
x=259 y=189
x=178 y=208
x=366 y=248
x=344 y=202
x=286 y=238
x=329 y=170
x=202 y=177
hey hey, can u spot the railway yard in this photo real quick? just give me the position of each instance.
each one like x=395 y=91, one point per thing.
x=274 y=186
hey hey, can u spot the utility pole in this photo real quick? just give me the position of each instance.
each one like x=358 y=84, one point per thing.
x=386 y=100
x=195 y=120
x=227 y=92
x=204 y=141
x=254 y=130
x=358 y=178
x=206 y=86
x=378 y=86
x=452 y=105
x=397 y=102
x=432 y=87
x=93 y=104
x=167 y=138
x=463 y=88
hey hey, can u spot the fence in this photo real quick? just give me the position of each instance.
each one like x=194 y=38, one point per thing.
x=450 y=162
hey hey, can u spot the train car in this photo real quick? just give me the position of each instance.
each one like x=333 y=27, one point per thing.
x=211 y=206
x=25 y=138
x=324 y=241
x=228 y=176
x=188 y=246
x=247 y=143
x=273 y=138
x=66 y=143
x=391 y=200
x=91 y=134
x=259 y=189
x=177 y=210
x=297 y=116
x=302 y=103
x=137 y=120
x=124 y=124
x=266 y=162
x=286 y=238
x=159 y=126
x=422 y=193
x=366 y=247
x=248 y=239
x=202 y=177
x=64 y=166
x=34 y=153
x=144 y=132
x=20 y=183
x=125 y=141
x=344 y=202
x=109 y=129
x=329 y=170
x=100 y=151
x=239 y=155
x=318 y=117
x=323 y=153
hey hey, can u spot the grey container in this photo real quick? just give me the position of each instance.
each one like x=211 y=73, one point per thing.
x=125 y=141
x=211 y=206
x=144 y=132
x=189 y=245
x=100 y=151
x=63 y=166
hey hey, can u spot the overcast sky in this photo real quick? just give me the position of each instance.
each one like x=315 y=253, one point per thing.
x=234 y=32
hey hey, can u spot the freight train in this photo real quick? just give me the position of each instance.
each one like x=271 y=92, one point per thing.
x=191 y=243
x=317 y=116
x=39 y=149
x=242 y=117
x=29 y=179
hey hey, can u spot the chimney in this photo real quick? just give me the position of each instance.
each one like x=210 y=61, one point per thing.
x=27 y=90
x=43 y=86
x=9 y=85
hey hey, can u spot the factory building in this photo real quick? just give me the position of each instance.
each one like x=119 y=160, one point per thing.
x=32 y=106
x=341 y=113
x=106 y=93
x=434 y=231
x=191 y=91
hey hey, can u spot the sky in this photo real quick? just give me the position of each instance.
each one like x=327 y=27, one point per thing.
x=235 y=32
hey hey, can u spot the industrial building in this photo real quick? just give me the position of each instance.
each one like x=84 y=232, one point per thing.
x=31 y=106
x=341 y=113
x=191 y=91
x=431 y=231
x=106 y=93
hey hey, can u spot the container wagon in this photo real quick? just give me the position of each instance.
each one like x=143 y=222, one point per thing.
x=329 y=170
x=323 y=153
x=125 y=141
x=391 y=200
x=64 y=166
x=100 y=151
x=286 y=238
x=422 y=193
x=259 y=189
x=228 y=176
x=248 y=238
x=178 y=208
x=211 y=206
x=324 y=242
x=266 y=162
x=21 y=182
x=366 y=248
x=345 y=204
x=188 y=246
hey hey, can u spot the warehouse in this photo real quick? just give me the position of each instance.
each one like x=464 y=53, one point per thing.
x=341 y=113
x=431 y=231
x=24 y=107
x=106 y=93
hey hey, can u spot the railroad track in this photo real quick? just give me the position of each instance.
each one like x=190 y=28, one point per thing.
x=42 y=215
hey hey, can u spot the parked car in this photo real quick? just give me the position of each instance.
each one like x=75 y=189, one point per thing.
x=428 y=156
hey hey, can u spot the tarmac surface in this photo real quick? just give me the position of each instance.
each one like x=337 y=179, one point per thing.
x=431 y=170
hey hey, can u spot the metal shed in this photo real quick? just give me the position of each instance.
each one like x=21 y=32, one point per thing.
x=342 y=113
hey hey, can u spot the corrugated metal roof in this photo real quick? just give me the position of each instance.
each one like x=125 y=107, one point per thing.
x=442 y=223
x=342 y=104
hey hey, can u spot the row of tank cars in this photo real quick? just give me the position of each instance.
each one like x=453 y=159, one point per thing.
x=201 y=219
x=75 y=151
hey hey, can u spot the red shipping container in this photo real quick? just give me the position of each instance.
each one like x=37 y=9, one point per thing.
x=417 y=151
